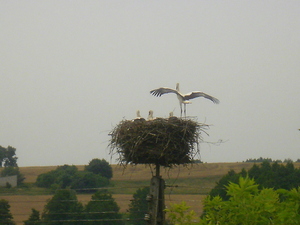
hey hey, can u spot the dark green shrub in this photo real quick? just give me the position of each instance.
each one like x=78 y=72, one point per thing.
x=100 y=166
x=87 y=182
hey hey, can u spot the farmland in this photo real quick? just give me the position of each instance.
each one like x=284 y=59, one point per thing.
x=190 y=184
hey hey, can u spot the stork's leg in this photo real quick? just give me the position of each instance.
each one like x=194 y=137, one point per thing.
x=184 y=110
x=180 y=110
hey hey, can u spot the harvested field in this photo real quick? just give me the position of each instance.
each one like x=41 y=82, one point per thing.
x=143 y=172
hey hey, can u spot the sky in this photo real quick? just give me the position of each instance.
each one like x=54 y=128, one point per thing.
x=70 y=71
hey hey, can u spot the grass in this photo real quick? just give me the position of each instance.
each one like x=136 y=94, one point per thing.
x=33 y=190
x=179 y=186
x=142 y=172
x=196 y=186
x=127 y=186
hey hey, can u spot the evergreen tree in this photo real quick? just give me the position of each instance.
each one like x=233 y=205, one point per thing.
x=219 y=189
x=34 y=218
x=103 y=210
x=139 y=206
x=63 y=209
x=267 y=175
x=5 y=215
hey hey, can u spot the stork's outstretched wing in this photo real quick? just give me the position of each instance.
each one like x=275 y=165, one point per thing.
x=160 y=91
x=196 y=94
x=183 y=99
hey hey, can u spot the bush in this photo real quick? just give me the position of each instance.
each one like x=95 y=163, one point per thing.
x=62 y=177
x=247 y=205
x=179 y=214
x=100 y=166
x=8 y=185
x=250 y=205
x=69 y=177
x=45 y=180
x=86 y=181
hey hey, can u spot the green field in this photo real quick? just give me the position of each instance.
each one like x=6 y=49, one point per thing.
x=180 y=186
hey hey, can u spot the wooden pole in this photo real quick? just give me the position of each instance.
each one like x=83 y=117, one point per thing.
x=157 y=169
x=157 y=203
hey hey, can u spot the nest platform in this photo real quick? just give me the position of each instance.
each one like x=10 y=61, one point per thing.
x=165 y=142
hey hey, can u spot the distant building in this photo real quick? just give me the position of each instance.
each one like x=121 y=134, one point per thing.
x=12 y=180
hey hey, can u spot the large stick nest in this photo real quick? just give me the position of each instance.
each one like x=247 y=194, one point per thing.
x=165 y=142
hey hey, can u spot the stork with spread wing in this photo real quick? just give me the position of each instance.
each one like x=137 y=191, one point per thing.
x=183 y=98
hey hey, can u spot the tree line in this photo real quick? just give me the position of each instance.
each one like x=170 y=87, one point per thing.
x=95 y=175
x=266 y=174
x=261 y=159
x=65 y=209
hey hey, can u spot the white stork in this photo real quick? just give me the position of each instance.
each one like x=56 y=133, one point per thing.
x=150 y=115
x=138 y=116
x=183 y=98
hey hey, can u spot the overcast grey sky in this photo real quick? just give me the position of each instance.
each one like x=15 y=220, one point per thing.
x=71 y=70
